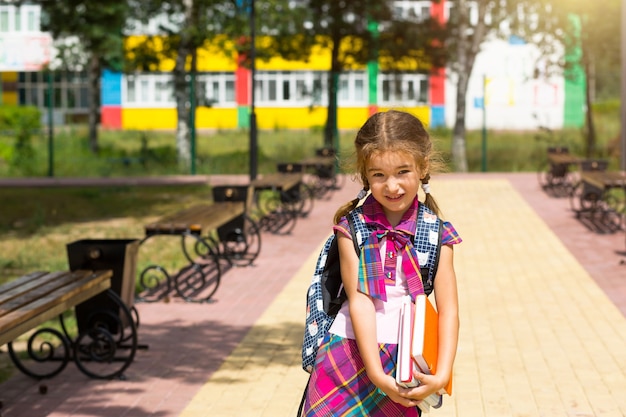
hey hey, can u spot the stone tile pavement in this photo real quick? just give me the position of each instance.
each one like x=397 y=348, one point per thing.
x=543 y=328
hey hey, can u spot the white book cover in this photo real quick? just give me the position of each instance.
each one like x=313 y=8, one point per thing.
x=405 y=363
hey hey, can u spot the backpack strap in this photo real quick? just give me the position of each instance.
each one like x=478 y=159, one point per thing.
x=353 y=219
x=359 y=229
x=355 y=225
x=427 y=243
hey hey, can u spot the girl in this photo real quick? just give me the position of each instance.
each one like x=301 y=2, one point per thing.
x=355 y=366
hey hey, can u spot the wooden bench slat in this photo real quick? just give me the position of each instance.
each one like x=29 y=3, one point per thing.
x=604 y=179
x=37 y=288
x=9 y=286
x=184 y=215
x=197 y=219
x=27 y=317
x=318 y=161
x=563 y=158
x=279 y=181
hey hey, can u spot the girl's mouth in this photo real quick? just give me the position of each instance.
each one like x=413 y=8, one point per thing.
x=394 y=198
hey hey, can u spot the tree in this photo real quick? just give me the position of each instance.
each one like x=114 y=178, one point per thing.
x=592 y=33
x=190 y=24
x=357 y=32
x=289 y=29
x=546 y=24
x=471 y=24
x=198 y=23
x=343 y=26
x=97 y=28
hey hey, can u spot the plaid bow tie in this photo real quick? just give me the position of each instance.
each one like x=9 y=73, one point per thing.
x=371 y=268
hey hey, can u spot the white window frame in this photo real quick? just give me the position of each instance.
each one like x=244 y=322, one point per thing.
x=33 y=90
x=349 y=93
x=218 y=87
x=418 y=10
x=290 y=88
x=17 y=18
x=386 y=83
x=156 y=90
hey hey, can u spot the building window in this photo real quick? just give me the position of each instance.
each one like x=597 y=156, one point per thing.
x=414 y=10
x=157 y=90
x=70 y=90
x=290 y=88
x=4 y=19
x=130 y=90
x=424 y=90
x=230 y=91
x=403 y=89
x=352 y=88
x=17 y=18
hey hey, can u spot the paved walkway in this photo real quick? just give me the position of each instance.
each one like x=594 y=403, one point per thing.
x=543 y=328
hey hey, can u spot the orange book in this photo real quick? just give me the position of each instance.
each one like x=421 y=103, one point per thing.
x=425 y=343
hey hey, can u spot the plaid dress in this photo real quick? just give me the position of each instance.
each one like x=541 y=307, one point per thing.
x=339 y=385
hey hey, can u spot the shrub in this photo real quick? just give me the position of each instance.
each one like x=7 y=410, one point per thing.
x=21 y=122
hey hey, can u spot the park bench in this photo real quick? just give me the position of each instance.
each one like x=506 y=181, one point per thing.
x=600 y=200
x=323 y=166
x=302 y=197
x=557 y=177
x=277 y=200
x=209 y=233
x=100 y=349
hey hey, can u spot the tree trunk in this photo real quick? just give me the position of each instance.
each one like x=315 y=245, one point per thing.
x=467 y=49
x=591 y=128
x=182 y=93
x=94 y=103
x=330 y=130
x=459 y=154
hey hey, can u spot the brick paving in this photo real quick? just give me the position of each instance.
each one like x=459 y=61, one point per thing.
x=543 y=328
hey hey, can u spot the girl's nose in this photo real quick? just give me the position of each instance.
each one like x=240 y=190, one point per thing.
x=392 y=184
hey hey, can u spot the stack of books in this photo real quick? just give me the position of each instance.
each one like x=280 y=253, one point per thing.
x=418 y=347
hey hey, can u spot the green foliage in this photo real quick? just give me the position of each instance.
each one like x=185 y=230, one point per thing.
x=96 y=23
x=141 y=153
x=21 y=119
x=17 y=124
x=607 y=108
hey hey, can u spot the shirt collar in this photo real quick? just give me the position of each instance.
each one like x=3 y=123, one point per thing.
x=373 y=213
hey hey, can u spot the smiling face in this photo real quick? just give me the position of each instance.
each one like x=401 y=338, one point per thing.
x=394 y=180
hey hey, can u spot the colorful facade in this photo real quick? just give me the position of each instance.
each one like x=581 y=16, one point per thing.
x=289 y=95
x=503 y=91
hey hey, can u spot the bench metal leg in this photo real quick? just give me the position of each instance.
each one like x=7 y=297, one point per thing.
x=240 y=243
x=49 y=351
x=103 y=350
x=108 y=346
x=601 y=211
x=556 y=179
x=275 y=217
x=299 y=199
x=197 y=281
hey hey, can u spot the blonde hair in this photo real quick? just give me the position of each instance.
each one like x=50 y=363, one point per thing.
x=395 y=131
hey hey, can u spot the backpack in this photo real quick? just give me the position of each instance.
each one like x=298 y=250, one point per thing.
x=325 y=294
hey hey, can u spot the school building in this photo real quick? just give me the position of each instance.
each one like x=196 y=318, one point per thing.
x=507 y=90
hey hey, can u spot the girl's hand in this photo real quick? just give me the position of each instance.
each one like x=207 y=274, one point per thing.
x=397 y=393
x=428 y=384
